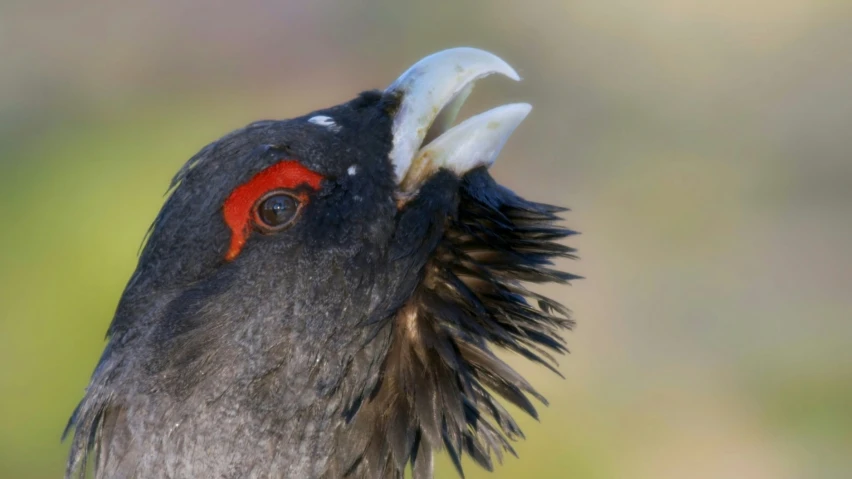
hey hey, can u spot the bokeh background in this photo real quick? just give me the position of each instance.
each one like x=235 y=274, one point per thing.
x=705 y=149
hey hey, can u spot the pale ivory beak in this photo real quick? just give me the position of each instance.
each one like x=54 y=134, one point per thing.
x=432 y=93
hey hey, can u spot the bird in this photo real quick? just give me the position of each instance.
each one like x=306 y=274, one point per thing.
x=330 y=296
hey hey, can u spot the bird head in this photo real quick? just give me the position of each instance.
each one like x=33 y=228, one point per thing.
x=338 y=284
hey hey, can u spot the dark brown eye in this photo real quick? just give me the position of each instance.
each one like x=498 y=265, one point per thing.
x=277 y=210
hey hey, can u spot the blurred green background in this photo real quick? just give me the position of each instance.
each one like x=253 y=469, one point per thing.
x=704 y=147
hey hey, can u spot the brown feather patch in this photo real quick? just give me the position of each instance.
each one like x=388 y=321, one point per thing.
x=441 y=380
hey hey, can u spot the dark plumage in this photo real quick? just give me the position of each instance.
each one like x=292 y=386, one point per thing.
x=352 y=343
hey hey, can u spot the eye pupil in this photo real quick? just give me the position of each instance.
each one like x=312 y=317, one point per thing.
x=278 y=210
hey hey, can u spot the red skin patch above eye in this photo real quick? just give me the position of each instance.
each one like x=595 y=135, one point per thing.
x=287 y=174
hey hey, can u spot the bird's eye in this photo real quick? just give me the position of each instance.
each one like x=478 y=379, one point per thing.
x=277 y=210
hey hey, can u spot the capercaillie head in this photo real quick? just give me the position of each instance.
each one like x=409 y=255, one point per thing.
x=323 y=297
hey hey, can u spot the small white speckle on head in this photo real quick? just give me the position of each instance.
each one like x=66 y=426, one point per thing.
x=352 y=170
x=325 y=121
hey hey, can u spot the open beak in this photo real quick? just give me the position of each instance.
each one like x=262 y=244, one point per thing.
x=431 y=94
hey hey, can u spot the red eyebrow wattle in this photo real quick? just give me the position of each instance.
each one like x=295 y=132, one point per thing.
x=287 y=174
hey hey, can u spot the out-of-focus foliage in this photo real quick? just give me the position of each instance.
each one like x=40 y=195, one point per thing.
x=704 y=148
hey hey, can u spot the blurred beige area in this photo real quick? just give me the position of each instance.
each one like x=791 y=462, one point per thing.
x=704 y=148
